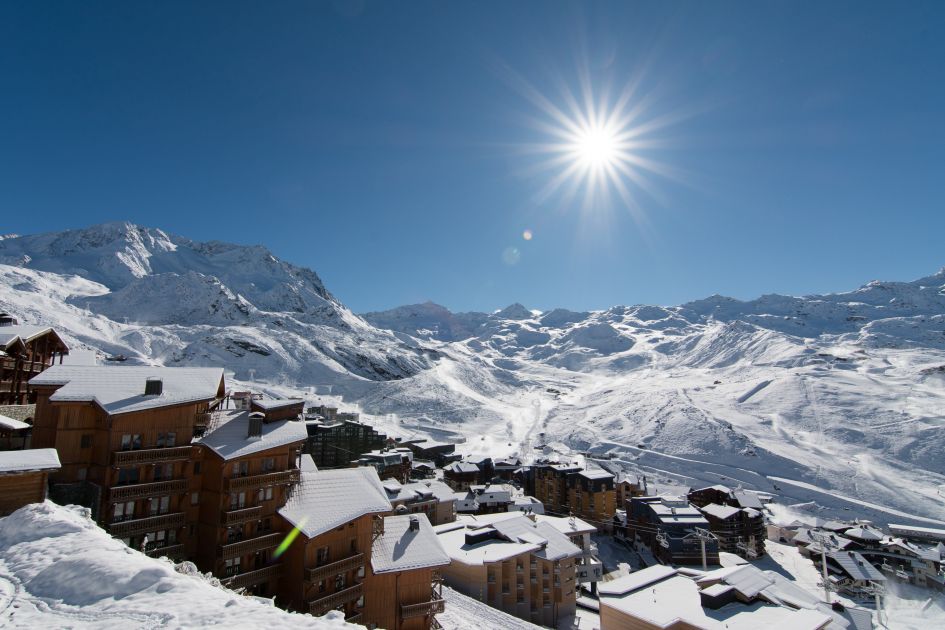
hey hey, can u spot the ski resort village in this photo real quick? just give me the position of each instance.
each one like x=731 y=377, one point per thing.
x=177 y=449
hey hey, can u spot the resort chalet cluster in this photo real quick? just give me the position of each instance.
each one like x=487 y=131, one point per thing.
x=320 y=511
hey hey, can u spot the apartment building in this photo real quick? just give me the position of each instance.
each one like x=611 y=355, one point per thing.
x=25 y=351
x=566 y=489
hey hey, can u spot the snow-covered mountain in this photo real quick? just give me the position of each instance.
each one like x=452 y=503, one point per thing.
x=838 y=400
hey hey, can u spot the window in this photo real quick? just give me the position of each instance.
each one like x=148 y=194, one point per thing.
x=265 y=525
x=124 y=511
x=196 y=468
x=135 y=442
x=269 y=464
x=234 y=534
x=321 y=556
x=82 y=473
x=264 y=494
x=86 y=441
x=166 y=439
x=171 y=438
x=240 y=469
x=127 y=476
x=160 y=440
x=237 y=501
x=194 y=498
x=354 y=545
x=160 y=505
x=163 y=471
x=232 y=566
x=339 y=581
x=321 y=586
x=126 y=442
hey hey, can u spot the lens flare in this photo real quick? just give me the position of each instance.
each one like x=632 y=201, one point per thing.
x=527 y=235
x=290 y=538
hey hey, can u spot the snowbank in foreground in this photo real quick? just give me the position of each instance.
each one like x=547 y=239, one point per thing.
x=58 y=569
x=466 y=613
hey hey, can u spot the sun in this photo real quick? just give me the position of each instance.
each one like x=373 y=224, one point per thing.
x=598 y=144
x=597 y=147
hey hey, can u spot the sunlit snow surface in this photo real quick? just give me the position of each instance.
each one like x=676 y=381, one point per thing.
x=835 y=403
x=59 y=570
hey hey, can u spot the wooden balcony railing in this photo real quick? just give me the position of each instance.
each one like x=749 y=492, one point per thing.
x=137 y=526
x=244 y=580
x=243 y=547
x=330 y=602
x=236 y=517
x=151 y=455
x=171 y=551
x=141 y=490
x=251 y=482
x=355 y=618
x=435 y=606
x=341 y=566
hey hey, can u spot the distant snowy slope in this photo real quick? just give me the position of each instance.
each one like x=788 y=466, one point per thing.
x=58 y=569
x=837 y=401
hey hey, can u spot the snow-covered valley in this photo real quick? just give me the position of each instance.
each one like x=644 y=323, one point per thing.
x=835 y=401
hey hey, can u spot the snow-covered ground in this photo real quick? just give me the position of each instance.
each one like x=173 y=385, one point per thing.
x=832 y=401
x=466 y=613
x=59 y=570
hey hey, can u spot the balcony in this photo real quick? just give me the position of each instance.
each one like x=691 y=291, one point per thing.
x=355 y=618
x=433 y=607
x=126 y=529
x=237 y=517
x=251 y=482
x=245 y=580
x=335 y=600
x=244 y=547
x=317 y=574
x=144 y=490
x=151 y=456
x=170 y=551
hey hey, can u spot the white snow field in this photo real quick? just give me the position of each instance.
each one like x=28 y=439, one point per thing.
x=60 y=570
x=834 y=402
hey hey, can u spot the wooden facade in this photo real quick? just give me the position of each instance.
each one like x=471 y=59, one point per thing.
x=26 y=351
x=405 y=600
x=327 y=572
x=568 y=490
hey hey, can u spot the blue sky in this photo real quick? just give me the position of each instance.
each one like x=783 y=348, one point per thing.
x=385 y=145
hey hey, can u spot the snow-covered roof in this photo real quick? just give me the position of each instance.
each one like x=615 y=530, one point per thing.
x=675 y=599
x=516 y=534
x=227 y=437
x=856 y=566
x=307 y=464
x=864 y=533
x=30 y=459
x=22 y=331
x=636 y=580
x=748 y=499
x=917 y=531
x=553 y=545
x=408 y=492
x=12 y=425
x=720 y=511
x=400 y=548
x=330 y=498
x=461 y=467
x=267 y=404
x=718 y=487
x=120 y=388
x=566 y=525
x=595 y=474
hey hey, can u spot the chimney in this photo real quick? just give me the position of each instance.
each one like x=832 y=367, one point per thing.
x=414 y=524
x=153 y=386
x=255 y=424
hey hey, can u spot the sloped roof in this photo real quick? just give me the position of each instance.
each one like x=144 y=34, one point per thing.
x=30 y=459
x=307 y=464
x=553 y=545
x=461 y=467
x=401 y=549
x=408 y=492
x=748 y=499
x=864 y=533
x=856 y=566
x=120 y=388
x=636 y=580
x=24 y=332
x=228 y=439
x=329 y=498
x=12 y=425
x=276 y=403
x=565 y=525
x=720 y=511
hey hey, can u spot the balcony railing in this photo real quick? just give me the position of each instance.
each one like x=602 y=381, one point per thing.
x=236 y=517
x=244 y=580
x=237 y=549
x=433 y=607
x=355 y=618
x=340 y=566
x=141 y=490
x=151 y=455
x=171 y=551
x=330 y=602
x=251 y=482
x=126 y=529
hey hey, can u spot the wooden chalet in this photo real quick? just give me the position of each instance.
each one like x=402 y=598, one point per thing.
x=23 y=477
x=26 y=351
x=404 y=584
x=337 y=515
x=248 y=464
x=123 y=434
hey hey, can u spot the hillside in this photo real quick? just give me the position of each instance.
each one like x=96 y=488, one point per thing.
x=835 y=401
